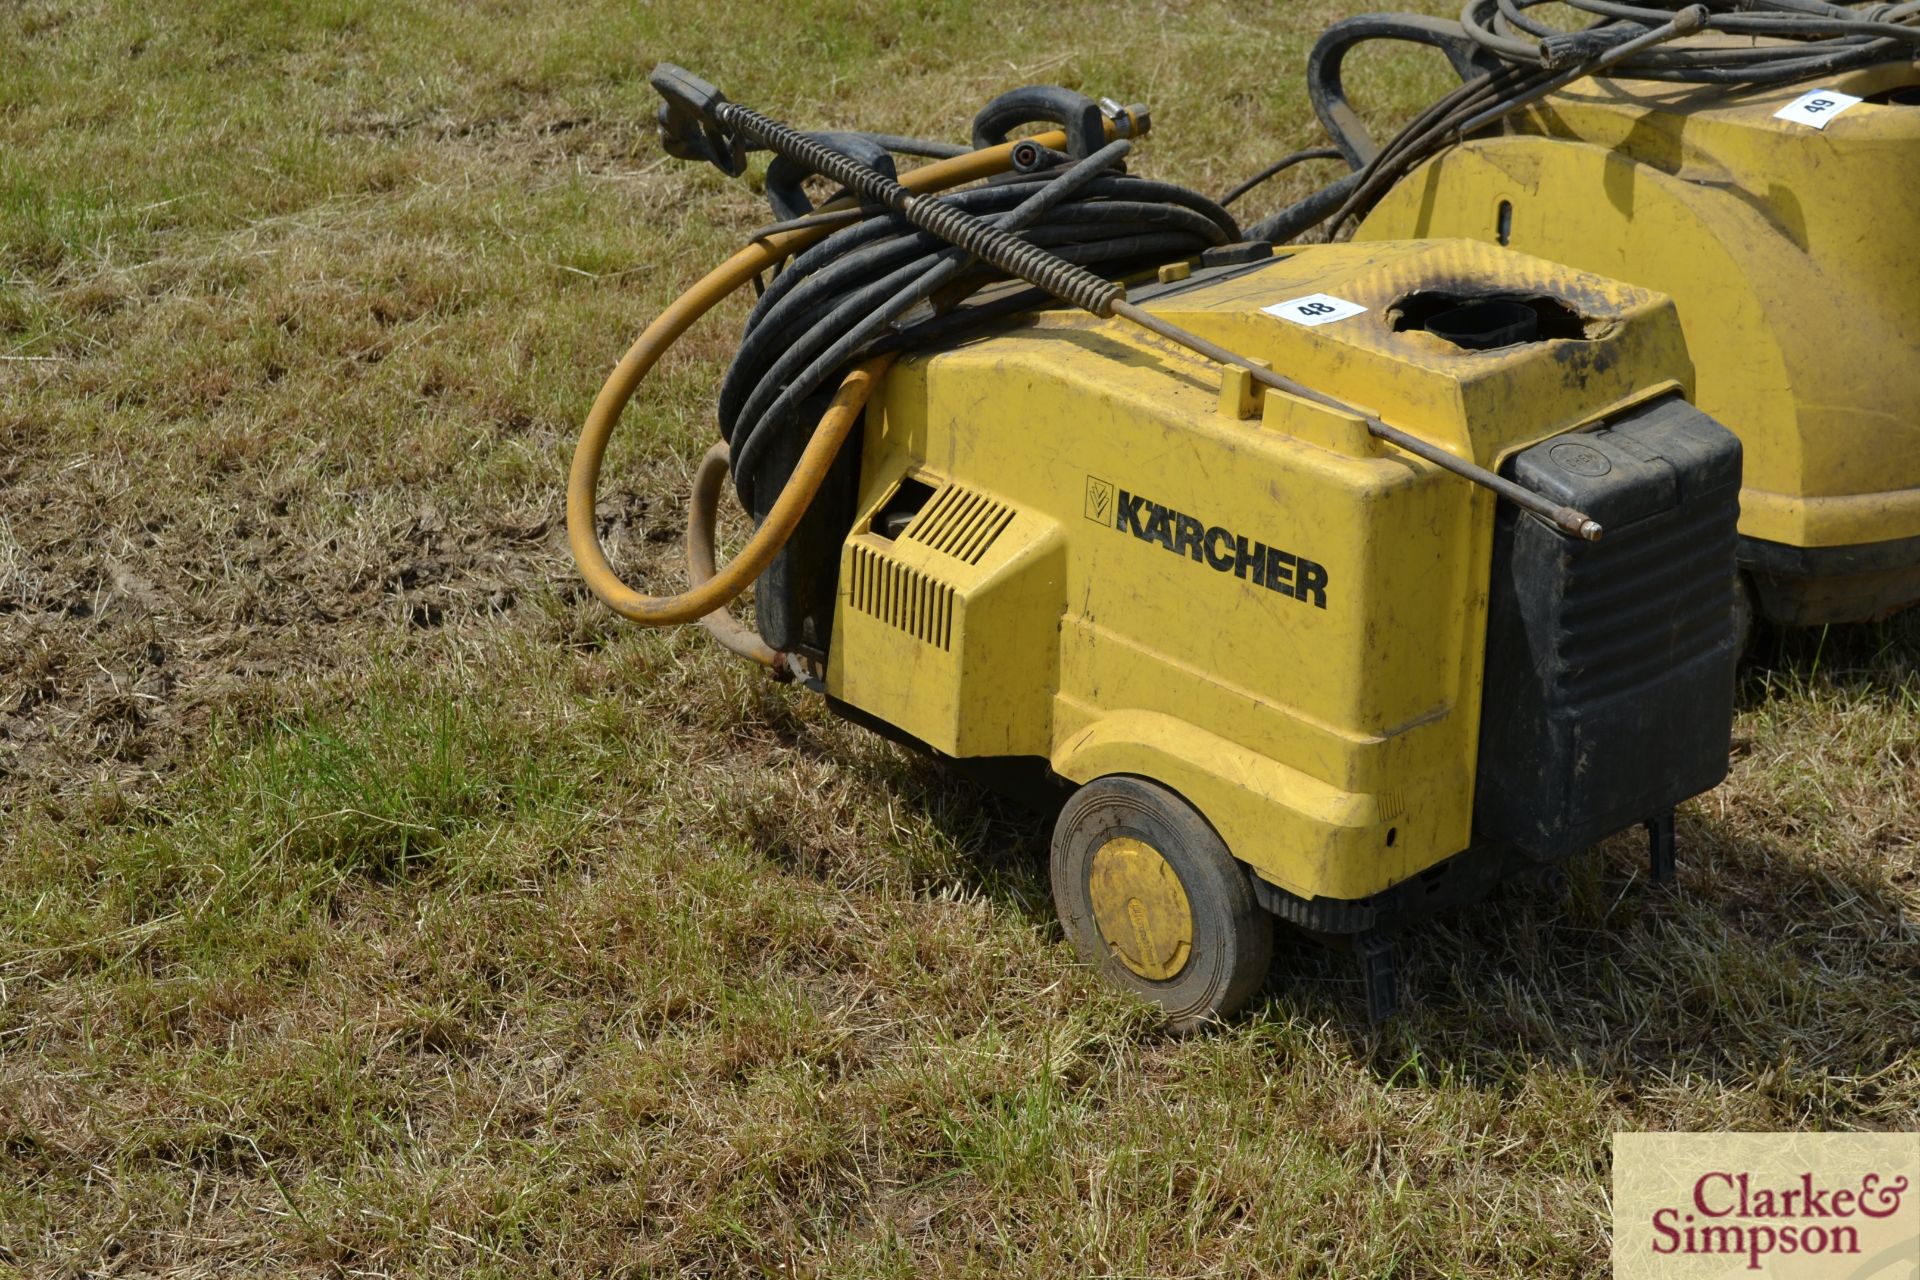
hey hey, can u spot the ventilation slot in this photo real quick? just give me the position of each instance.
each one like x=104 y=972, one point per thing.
x=961 y=523
x=901 y=597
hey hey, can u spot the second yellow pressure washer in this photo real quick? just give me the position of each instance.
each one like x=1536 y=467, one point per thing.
x=1310 y=585
x=1756 y=165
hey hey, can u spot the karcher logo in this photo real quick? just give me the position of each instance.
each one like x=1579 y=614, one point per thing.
x=1099 y=501
x=1217 y=547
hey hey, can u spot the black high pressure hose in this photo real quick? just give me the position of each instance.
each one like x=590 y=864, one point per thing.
x=1508 y=58
x=1820 y=39
x=846 y=296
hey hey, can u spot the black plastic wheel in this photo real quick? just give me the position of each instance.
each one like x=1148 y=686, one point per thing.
x=1150 y=896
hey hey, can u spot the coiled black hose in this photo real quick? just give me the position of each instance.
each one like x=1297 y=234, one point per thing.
x=1069 y=223
x=842 y=298
x=1506 y=55
x=1818 y=39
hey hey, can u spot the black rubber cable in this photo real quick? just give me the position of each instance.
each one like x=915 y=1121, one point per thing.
x=1814 y=40
x=844 y=293
x=857 y=324
x=1115 y=237
x=816 y=282
x=1334 y=204
x=1809 y=40
x=1279 y=167
x=811 y=319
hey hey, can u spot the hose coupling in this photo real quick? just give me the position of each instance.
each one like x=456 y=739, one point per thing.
x=1128 y=122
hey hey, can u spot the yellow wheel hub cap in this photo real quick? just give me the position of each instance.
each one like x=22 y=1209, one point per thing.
x=1141 y=908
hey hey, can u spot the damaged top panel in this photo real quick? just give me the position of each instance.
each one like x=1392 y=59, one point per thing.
x=1384 y=355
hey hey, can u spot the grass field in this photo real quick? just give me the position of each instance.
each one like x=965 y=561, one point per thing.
x=373 y=903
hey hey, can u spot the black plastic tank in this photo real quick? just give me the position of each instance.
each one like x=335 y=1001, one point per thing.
x=1610 y=664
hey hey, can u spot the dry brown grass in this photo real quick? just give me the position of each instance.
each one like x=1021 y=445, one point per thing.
x=374 y=904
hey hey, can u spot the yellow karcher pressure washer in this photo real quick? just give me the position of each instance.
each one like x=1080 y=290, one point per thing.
x=1757 y=165
x=1332 y=584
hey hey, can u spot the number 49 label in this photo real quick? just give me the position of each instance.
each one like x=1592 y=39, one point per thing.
x=1315 y=308
x=1816 y=108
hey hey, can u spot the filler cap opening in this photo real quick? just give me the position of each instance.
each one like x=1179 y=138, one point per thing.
x=1486 y=322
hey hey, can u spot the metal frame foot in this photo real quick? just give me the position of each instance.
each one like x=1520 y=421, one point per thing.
x=1379 y=975
x=1660 y=842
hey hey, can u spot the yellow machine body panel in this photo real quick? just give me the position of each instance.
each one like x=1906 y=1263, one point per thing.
x=1124 y=561
x=1790 y=252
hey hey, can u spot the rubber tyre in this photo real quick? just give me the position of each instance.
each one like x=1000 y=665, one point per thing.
x=1232 y=936
x=1745 y=614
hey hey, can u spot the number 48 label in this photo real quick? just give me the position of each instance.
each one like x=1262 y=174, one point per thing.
x=1315 y=308
x=1816 y=108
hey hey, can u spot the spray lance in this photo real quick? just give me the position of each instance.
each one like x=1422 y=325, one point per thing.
x=699 y=122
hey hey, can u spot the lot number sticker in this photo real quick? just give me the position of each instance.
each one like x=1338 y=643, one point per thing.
x=1816 y=108
x=1315 y=308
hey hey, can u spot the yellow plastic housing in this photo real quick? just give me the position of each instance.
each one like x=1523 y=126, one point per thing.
x=1134 y=562
x=1792 y=253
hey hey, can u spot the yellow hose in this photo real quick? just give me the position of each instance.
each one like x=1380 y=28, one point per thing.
x=715 y=593
x=703 y=516
x=712 y=591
